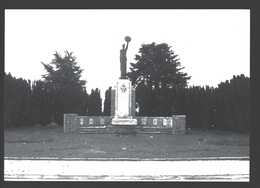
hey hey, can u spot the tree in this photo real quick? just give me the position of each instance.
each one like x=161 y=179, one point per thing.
x=83 y=101
x=241 y=101
x=95 y=103
x=107 y=102
x=229 y=108
x=25 y=102
x=157 y=67
x=207 y=108
x=156 y=74
x=193 y=103
x=17 y=102
x=143 y=98
x=10 y=104
x=226 y=110
x=41 y=103
x=63 y=72
x=63 y=85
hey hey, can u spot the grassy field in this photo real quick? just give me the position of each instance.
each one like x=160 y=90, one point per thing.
x=52 y=142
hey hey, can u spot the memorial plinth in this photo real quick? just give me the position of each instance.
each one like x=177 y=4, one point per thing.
x=123 y=103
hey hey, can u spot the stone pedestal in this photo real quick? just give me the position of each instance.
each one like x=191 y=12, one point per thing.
x=123 y=103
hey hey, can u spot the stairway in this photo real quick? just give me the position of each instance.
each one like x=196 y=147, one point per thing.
x=114 y=129
x=93 y=129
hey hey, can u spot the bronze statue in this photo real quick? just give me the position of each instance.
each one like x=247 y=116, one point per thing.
x=123 y=58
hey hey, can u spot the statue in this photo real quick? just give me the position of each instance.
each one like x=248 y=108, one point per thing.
x=123 y=58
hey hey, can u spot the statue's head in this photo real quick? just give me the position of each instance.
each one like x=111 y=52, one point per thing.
x=123 y=46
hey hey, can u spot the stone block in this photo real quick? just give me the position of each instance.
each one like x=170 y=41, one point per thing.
x=179 y=124
x=143 y=121
x=154 y=121
x=70 y=123
x=102 y=121
x=124 y=121
x=91 y=121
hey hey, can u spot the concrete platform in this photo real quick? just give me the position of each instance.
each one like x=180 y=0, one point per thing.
x=82 y=170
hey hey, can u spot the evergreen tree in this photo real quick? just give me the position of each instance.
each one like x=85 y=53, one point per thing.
x=9 y=102
x=240 y=91
x=144 y=97
x=207 y=108
x=17 y=102
x=95 y=103
x=63 y=86
x=63 y=72
x=107 y=102
x=231 y=104
x=193 y=104
x=157 y=66
x=225 y=108
x=25 y=102
x=83 y=102
x=156 y=71
x=163 y=100
x=178 y=101
x=41 y=103
x=91 y=111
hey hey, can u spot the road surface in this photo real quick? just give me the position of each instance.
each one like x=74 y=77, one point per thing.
x=122 y=170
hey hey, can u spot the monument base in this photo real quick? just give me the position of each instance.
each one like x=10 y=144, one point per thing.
x=124 y=121
x=175 y=124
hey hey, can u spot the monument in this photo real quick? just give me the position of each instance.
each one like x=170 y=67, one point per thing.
x=123 y=94
x=122 y=118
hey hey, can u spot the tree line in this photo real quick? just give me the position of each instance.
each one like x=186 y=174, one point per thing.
x=44 y=101
x=29 y=103
x=226 y=107
x=161 y=90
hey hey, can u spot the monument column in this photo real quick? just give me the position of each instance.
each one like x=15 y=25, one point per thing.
x=122 y=95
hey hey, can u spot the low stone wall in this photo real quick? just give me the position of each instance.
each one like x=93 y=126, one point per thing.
x=159 y=122
x=94 y=120
x=175 y=124
x=70 y=123
x=179 y=124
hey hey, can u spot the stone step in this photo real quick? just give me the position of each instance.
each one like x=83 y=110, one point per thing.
x=92 y=127
x=150 y=127
x=137 y=132
x=116 y=128
x=152 y=130
x=93 y=132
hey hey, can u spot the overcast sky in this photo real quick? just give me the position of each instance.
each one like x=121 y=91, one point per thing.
x=213 y=45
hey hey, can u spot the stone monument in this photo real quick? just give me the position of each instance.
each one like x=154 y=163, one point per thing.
x=122 y=118
x=123 y=94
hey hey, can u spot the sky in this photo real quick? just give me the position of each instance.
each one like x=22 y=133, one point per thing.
x=212 y=44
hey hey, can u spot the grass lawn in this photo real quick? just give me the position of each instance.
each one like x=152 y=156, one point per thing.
x=52 y=142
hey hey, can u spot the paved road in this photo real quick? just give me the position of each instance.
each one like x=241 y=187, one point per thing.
x=77 y=170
